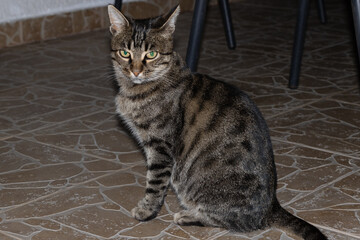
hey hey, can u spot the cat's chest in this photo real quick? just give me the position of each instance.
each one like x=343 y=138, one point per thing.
x=125 y=107
x=138 y=114
x=150 y=117
x=131 y=110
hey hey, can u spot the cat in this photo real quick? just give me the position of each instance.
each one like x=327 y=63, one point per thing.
x=203 y=137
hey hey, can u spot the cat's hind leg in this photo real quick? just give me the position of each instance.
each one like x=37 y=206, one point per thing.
x=195 y=217
x=187 y=218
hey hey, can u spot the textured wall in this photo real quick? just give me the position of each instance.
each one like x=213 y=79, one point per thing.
x=23 y=9
x=37 y=20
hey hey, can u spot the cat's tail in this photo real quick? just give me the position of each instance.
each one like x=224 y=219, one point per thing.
x=282 y=219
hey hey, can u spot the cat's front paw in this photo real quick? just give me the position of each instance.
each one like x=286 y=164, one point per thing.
x=142 y=214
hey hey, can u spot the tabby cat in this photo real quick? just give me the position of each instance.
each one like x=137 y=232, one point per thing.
x=203 y=137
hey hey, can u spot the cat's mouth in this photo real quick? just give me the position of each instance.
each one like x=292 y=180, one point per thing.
x=139 y=80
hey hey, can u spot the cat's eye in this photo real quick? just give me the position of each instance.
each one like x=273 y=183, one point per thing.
x=124 y=54
x=151 y=55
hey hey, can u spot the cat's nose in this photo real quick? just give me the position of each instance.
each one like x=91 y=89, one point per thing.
x=136 y=68
x=136 y=73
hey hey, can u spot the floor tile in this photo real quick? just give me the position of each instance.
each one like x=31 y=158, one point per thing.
x=63 y=233
x=31 y=170
x=98 y=134
x=70 y=170
x=351 y=96
x=328 y=125
x=28 y=108
x=273 y=101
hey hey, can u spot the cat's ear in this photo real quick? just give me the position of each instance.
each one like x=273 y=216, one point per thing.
x=117 y=19
x=169 y=26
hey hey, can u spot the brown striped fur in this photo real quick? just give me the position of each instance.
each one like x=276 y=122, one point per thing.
x=203 y=137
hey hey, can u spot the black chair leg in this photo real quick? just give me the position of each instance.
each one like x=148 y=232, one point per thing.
x=355 y=4
x=226 y=15
x=321 y=11
x=118 y=4
x=197 y=27
x=298 y=43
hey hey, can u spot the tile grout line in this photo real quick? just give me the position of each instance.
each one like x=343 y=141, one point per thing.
x=219 y=234
x=10 y=235
x=80 y=94
x=306 y=104
x=18 y=86
x=295 y=199
x=315 y=148
x=19 y=135
x=6 y=137
x=106 y=76
x=64 y=190
x=291 y=110
x=348 y=90
x=78 y=151
x=329 y=46
x=48 y=125
x=321 y=187
x=334 y=206
x=337 y=231
x=80 y=230
x=299 y=90
x=318 y=189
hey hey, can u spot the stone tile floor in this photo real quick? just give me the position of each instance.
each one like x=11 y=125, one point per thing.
x=68 y=170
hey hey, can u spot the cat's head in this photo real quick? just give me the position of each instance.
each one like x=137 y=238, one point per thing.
x=141 y=49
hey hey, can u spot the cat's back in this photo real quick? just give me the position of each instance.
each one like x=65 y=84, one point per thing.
x=225 y=147
x=220 y=111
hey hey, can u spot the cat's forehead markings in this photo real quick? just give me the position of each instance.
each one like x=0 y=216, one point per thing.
x=143 y=46
x=146 y=46
x=139 y=35
x=128 y=44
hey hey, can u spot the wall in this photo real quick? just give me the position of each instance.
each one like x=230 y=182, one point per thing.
x=24 y=9
x=26 y=21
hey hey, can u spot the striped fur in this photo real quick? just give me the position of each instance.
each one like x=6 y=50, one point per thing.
x=203 y=137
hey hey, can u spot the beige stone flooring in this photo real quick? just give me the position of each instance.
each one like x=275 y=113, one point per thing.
x=68 y=170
